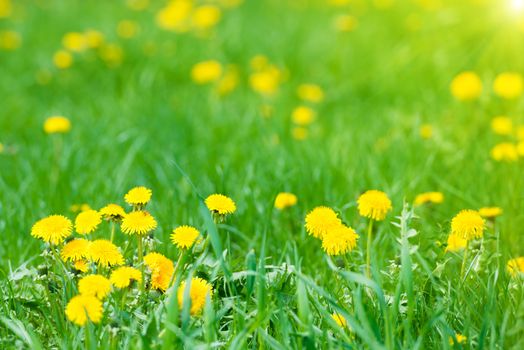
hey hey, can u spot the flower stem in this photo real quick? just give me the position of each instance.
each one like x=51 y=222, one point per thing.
x=464 y=260
x=140 y=260
x=177 y=265
x=112 y=231
x=368 y=249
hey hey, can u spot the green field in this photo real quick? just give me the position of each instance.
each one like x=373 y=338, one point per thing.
x=383 y=113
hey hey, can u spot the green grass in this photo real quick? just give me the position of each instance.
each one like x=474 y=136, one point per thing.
x=146 y=123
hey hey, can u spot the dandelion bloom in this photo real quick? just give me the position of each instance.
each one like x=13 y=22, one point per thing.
x=74 y=41
x=220 y=204
x=52 y=229
x=122 y=276
x=460 y=339
x=266 y=81
x=310 y=92
x=285 y=200
x=57 y=124
x=505 y=152
x=455 y=243
x=205 y=17
x=9 y=40
x=374 y=205
x=466 y=86
x=515 y=266
x=490 y=212
x=113 y=212
x=81 y=265
x=199 y=290
x=468 y=224
x=75 y=250
x=320 y=220
x=502 y=125
x=94 y=38
x=62 y=59
x=339 y=319
x=138 y=196
x=426 y=131
x=87 y=221
x=105 y=253
x=94 y=285
x=174 y=16
x=138 y=223
x=184 y=236
x=508 y=85
x=429 y=197
x=303 y=115
x=161 y=270
x=339 y=240
x=206 y=72
x=83 y=307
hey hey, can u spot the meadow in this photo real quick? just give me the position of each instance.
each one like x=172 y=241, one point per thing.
x=368 y=155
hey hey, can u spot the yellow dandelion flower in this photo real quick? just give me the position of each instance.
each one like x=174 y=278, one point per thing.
x=205 y=17
x=429 y=197
x=123 y=276
x=161 y=270
x=505 y=152
x=57 y=124
x=74 y=41
x=339 y=319
x=94 y=38
x=426 y=131
x=468 y=224
x=6 y=8
x=206 y=72
x=199 y=290
x=455 y=243
x=266 y=81
x=105 y=253
x=303 y=115
x=112 y=212
x=220 y=204
x=320 y=220
x=83 y=307
x=285 y=200
x=339 y=240
x=138 y=196
x=138 y=223
x=229 y=80
x=10 y=40
x=87 y=221
x=81 y=265
x=460 y=339
x=52 y=229
x=310 y=92
x=62 y=59
x=515 y=266
x=374 y=205
x=502 y=125
x=184 y=236
x=94 y=285
x=466 y=86
x=175 y=15
x=490 y=212
x=508 y=85
x=299 y=133
x=75 y=250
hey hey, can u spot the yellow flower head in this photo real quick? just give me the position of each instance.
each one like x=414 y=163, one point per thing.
x=320 y=220
x=508 y=85
x=310 y=92
x=303 y=115
x=285 y=200
x=206 y=72
x=266 y=81
x=105 y=253
x=161 y=270
x=138 y=196
x=75 y=250
x=83 y=307
x=374 y=205
x=62 y=59
x=426 y=131
x=87 y=221
x=515 y=266
x=466 y=86
x=9 y=40
x=175 y=15
x=490 y=212
x=455 y=243
x=184 y=236
x=429 y=197
x=113 y=212
x=57 y=124
x=460 y=339
x=467 y=224
x=94 y=38
x=339 y=240
x=122 y=276
x=502 y=125
x=94 y=285
x=52 y=229
x=138 y=223
x=220 y=204
x=199 y=290
x=74 y=41
x=81 y=265
x=205 y=17
x=339 y=319
x=505 y=152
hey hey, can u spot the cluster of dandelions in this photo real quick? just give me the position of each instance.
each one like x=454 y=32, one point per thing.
x=99 y=267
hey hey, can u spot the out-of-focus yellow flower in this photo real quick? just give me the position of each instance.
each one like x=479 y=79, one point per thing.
x=137 y=5
x=127 y=29
x=515 y=266
x=505 y=152
x=206 y=72
x=267 y=81
x=105 y=253
x=52 y=229
x=321 y=220
x=184 y=236
x=93 y=38
x=94 y=285
x=199 y=291
x=339 y=319
x=429 y=197
x=83 y=307
x=299 y=133
x=57 y=124
x=303 y=115
x=285 y=200
x=123 y=276
x=426 y=131
x=490 y=212
x=468 y=224
x=87 y=221
x=339 y=240
x=455 y=243
x=310 y=93
x=62 y=59
x=6 y=8
x=175 y=16
x=161 y=270
x=229 y=80
x=508 y=85
x=466 y=86
x=345 y=23
x=111 y=54
x=374 y=205
x=502 y=125
x=460 y=339
x=220 y=204
x=10 y=40
x=74 y=41
x=205 y=17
